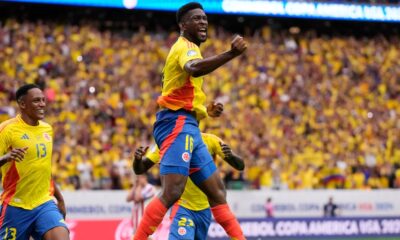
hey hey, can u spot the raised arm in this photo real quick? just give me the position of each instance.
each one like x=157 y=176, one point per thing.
x=215 y=109
x=230 y=157
x=200 y=67
x=141 y=165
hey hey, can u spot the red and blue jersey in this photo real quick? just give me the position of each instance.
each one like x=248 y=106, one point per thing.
x=181 y=90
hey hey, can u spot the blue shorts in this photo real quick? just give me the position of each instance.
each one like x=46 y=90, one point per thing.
x=190 y=225
x=19 y=223
x=182 y=150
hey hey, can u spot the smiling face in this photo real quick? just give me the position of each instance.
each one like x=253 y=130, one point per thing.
x=194 y=26
x=33 y=106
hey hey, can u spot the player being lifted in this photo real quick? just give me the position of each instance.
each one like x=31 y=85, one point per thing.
x=176 y=130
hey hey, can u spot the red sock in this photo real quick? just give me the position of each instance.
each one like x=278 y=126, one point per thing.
x=223 y=215
x=152 y=217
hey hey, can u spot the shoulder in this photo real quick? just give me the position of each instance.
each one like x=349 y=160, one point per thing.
x=46 y=128
x=46 y=125
x=183 y=44
x=210 y=137
x=8 y=124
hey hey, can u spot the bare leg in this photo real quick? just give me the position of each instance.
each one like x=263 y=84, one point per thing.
x=215 y=190
x=57 y=233
x=173 y=186
x=172 y=189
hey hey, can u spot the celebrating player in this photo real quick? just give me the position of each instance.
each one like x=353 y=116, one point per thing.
x=176 y=130
x=191 y=215
x=26 y=145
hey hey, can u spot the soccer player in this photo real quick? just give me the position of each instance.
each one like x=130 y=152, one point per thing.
x=26 y=145
x=176 y=130
x=140 y=192
x=191 y=215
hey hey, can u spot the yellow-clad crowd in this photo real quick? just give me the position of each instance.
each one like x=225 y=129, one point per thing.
x=304 y=111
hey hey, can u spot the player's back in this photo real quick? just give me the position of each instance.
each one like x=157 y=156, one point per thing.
x=27 y=183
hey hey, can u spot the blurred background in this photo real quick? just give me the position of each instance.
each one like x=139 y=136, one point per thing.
x=313 y=107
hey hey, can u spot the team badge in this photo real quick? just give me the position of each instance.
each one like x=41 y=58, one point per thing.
x=191 y=53
x=181 y=231
x=186 y=156
x=47 y=136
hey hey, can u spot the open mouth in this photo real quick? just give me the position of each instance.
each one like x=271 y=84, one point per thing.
x=203 y=32
x=40 y=111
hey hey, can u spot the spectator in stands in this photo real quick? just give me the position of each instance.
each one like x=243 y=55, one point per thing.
x=141 y=191
x=305 y=116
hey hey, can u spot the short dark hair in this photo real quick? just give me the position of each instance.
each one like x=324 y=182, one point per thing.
x=23 y=90
x=186 y=8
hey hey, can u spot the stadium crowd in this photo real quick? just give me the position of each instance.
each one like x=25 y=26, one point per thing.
x=304 y=110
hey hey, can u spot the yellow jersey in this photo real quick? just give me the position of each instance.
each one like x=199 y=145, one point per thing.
x=193 y=198
x=27 y=184
x=180 y=90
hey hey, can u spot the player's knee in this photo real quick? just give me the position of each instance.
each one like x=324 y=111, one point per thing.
x=220 y=196
x=171 y=195
x=173 y=187
x=223 y=193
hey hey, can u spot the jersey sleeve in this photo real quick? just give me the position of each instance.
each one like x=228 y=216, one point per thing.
x=4 y=140
x=216 y=146
x=153 y=154
x=188 y=51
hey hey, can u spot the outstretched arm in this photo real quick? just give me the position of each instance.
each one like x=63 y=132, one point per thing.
x=141 y=166
x=200 y=67
x=234 y=160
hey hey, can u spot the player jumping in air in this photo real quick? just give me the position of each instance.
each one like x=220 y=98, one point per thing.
x=176 y=131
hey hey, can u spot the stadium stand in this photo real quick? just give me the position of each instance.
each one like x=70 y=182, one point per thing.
x=309 y=106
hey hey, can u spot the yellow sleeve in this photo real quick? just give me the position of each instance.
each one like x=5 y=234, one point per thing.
x=153 y=154
x=4 y=139
x=214 y=145
x=188 y=51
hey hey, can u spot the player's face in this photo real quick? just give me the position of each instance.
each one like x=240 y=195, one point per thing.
x=33 y=104
x=196 y=25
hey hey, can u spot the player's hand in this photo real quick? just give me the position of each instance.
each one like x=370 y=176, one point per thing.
x=16 y=154
x=140 y=152
x=62 y=208
x=238 y=45
x=215 y=109
x=226 y=150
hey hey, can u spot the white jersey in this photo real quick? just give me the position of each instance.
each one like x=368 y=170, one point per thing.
x=138 y=207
